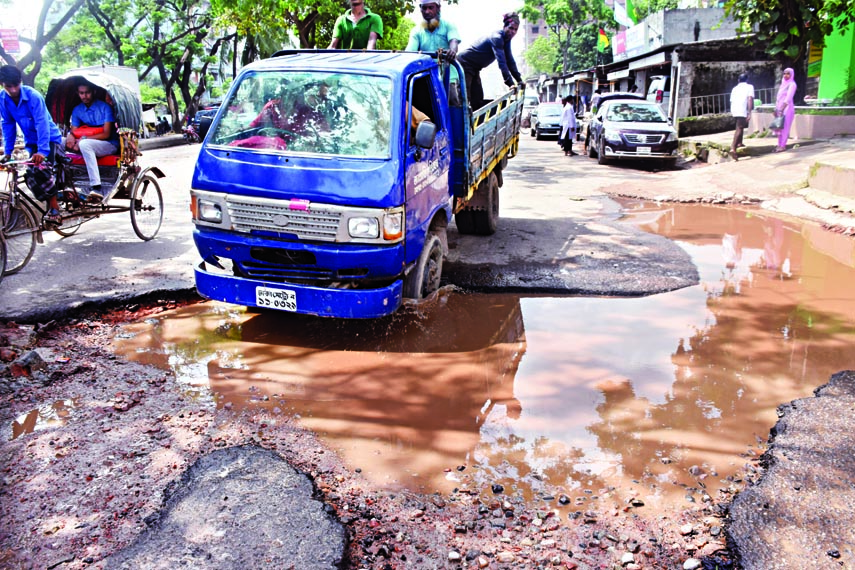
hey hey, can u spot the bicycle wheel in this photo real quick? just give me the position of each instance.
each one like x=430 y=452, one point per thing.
x=20 y=231
x=146 y=207
x=2 y=257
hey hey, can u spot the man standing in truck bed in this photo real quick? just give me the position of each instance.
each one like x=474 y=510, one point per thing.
x=358 y=28
x=495 y=47
x=435 y=34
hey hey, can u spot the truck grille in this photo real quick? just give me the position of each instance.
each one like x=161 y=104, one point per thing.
x=316 y=222
x=641 y=138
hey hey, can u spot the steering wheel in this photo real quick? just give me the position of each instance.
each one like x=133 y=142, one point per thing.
x=276 y=132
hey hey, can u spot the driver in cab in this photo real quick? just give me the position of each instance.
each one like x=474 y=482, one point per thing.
x=303 y=114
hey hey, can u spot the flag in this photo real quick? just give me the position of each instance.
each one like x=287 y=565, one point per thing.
x=621 y=16
x=630 y=11
x=602 y=41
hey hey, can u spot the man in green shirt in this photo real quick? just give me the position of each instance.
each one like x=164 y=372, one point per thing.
x=358 y=28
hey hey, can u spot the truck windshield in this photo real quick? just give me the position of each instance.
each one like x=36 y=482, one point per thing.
x=309 y=112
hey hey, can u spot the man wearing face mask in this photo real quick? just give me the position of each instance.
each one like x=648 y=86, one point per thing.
x=435 y=34
x=495 y=47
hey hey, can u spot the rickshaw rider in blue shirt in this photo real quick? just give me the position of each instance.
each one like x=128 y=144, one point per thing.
x=23 y=106
x=436 y=34
x=92 y=112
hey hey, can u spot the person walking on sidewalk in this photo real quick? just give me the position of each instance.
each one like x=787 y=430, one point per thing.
x=784 y=107
x=357 y=28
x=568 y=126
x=741 y=105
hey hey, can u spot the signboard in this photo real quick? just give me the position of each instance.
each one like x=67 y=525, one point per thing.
x=9 y=39
x=619 y=43
x=636 y=41
x=814 y=60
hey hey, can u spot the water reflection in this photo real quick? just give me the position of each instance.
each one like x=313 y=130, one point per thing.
x=44 y=416
x=590 y=395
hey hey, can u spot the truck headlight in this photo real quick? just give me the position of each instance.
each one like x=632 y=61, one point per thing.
x=393 y=225
x=209 y=211
x=363 y=228
x=612 y=135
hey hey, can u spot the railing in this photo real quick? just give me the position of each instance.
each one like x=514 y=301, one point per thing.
x=720 y=104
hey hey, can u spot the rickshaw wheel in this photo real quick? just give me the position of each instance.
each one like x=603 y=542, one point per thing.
x=20 y=230
x=2 y=257
x=69 y=228
x=146 y=207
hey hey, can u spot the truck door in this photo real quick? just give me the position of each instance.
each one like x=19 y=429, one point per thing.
x=426 y=169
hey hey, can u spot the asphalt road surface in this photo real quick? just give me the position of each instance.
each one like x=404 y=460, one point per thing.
x=557 y=234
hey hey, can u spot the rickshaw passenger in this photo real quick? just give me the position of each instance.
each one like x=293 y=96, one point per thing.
x=23 y=106
x=92 y=112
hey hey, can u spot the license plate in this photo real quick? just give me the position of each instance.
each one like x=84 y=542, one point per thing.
x=643 y=150
x=282 y=299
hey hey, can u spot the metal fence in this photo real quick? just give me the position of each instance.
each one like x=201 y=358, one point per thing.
x=720 y=104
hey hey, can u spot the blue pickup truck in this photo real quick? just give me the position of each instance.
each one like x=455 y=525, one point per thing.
x=328 y=179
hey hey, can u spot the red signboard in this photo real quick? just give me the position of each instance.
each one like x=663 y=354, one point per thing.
x=9 y=39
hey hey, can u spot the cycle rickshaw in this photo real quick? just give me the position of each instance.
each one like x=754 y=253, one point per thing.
x=127 y=186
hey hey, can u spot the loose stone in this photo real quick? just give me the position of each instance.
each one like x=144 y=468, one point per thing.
x=454 y=556
x=691 y=564
x=627 y=558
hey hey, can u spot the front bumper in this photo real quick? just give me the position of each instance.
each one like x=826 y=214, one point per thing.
x=324 y=302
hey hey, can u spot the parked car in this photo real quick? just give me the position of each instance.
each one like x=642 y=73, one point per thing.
x=529 y=104
x=625 y=128
x=203 y=118
x=583 y=132
x=545 y=120
x=660 y=92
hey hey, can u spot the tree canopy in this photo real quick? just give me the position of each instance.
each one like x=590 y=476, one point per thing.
x=788 y=27
x=573 y=26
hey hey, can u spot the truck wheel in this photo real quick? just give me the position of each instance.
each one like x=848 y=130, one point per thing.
x=487 y=220
x=465 y=222
x=424 y=278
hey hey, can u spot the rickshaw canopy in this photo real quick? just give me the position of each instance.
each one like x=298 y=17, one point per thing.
x=62 y=97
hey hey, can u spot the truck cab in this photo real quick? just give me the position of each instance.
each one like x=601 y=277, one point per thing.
x=325 y=183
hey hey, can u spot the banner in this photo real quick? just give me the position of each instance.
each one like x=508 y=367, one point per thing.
x=9 y=39
x=630 y=11
x=620 y=15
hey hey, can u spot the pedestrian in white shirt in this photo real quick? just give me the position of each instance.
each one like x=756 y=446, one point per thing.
x=741 y=105
x=568 y=126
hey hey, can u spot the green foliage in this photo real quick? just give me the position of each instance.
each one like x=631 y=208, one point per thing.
x=570 y=23
x=152 y=93
x=542 y=56
x=644 y=8
x=398 y=37
x=788 y=26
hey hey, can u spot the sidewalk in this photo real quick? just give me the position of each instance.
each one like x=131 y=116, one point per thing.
x=163 y=141
x=812 y=179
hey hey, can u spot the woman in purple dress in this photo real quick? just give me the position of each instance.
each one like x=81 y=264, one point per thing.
x=784 y=107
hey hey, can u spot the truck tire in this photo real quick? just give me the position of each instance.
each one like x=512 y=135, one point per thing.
x=486 y=220
x=424 y=278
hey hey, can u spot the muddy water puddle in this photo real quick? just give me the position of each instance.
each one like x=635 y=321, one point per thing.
x=663 y=398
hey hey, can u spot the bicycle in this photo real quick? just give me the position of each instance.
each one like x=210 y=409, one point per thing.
x=22 y=215
x=129 y=188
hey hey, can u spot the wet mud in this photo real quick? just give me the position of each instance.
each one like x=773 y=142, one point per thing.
x=501 y=429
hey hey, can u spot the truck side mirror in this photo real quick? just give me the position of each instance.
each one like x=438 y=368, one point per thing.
x=425 y=134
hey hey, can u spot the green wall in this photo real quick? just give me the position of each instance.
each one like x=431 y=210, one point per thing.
x=838 y=71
